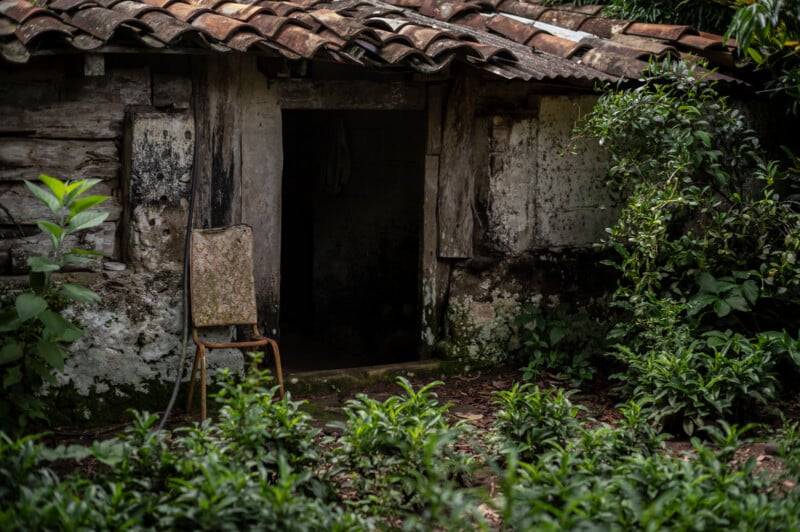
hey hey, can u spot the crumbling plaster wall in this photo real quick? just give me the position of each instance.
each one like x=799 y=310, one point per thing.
x=543 y=209
x=132 y=126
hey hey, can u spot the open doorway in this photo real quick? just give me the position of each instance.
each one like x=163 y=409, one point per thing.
x=351 y=214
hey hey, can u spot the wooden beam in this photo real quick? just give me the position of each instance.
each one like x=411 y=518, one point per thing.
x=262 y=179
x=354 y=95
x=24 y=208
x=66 y=120
x=26 y=158
x=457 y=171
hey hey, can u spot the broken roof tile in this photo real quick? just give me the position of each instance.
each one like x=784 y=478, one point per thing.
x=613 y=63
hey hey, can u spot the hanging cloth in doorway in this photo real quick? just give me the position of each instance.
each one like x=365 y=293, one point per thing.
x=338 y=167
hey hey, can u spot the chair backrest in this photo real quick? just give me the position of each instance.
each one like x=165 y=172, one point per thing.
x=221 y=277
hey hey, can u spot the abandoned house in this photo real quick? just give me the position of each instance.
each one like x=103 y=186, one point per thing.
x=398 y=162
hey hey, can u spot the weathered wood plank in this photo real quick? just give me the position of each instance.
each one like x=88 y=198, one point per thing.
x=68 y=120
x=25 y=158
x=219 y=138
x=119 y=85
x=171 y=90
x=18 y=249
x=25 y=208
x=262 y=177
x=435 y=102
x=457 y=171
x=430 y=301
x=341 y=95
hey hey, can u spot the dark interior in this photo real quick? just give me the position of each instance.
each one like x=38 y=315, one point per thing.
x=352 y=207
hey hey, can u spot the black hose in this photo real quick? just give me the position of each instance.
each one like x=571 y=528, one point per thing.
x=186 y=251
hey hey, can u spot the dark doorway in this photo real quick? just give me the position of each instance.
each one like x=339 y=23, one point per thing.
x=352 y=207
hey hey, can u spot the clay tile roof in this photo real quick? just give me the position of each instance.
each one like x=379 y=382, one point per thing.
x=510 y=39
x=38 y=26
x=513 y=29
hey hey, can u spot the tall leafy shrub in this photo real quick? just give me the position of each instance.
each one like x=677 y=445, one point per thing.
x=706 y=241
x=32 y=327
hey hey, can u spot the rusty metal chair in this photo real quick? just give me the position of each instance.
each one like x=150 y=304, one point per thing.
x=222 y=289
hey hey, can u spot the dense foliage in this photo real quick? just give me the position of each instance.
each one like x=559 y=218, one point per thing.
x=32 y=329
x=706 y=248
x=397 y=465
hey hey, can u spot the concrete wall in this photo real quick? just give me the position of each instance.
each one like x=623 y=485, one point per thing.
x=543 y=209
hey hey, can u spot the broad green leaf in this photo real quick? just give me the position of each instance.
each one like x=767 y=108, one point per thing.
x=29 y=305
x=737 y=302
x=721 y=308
x=43 y=370
x=54 y=231
x=45 y=197
x=12 y=376
x=10 y=353
x=82 y=204
x=79 y=187
x=9 y=321
x=78 y=293
x=707 y=283
x=750 y=291
x=55 y=323
x=56 y=186
x=85 y=220
x=43 y=264
x=51 y=353
x=701 y=301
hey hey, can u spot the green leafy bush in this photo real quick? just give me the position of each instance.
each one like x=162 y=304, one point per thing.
x=706 y=249
x=597 y=483
x=531 y=420
x=559 y=340
x=33 y=329
x=230 y=476
x=399 y=459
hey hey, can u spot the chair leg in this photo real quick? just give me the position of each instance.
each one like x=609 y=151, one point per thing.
x=203 y=383
x=278 y=370
x=191 y=381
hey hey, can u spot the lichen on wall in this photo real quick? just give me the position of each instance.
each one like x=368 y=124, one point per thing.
x=130 y=351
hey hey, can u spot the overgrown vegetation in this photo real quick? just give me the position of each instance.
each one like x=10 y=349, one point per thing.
x=31 y=325
x=706 y=249
x=398 y=464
